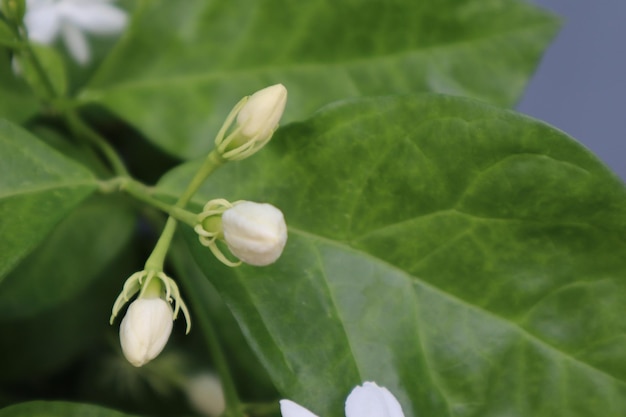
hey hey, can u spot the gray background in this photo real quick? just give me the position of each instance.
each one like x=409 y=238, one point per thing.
x=580 y=86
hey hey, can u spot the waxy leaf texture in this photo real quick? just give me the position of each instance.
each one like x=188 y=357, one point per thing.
x=470 y=259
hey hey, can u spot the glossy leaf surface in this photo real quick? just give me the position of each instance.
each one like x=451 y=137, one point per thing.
x=182 y=66
x=38 y=186
x=471 y=260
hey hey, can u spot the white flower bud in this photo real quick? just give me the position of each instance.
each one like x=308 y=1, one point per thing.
x=255 y=233
x=260 y=115
x=145 y=329
x=206 y=395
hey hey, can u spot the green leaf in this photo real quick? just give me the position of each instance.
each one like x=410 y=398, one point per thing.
x=59 y=409
x=52 y=64
x=7 y=37
x=46 y=342
x=38 y=187
x=18 y=102
x=70 y=259
x=470 y=259
x=181 y=67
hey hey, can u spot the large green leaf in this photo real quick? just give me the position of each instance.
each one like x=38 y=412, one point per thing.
x=70 y=259
x=182 y=66
x=38 y=186
x=58 y=409
x=470 y=259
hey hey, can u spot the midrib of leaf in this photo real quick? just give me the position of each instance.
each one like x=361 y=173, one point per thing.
x=245 y=290
x=509 y=324
x=86 y=95
x=47 y=187
x=358 y=369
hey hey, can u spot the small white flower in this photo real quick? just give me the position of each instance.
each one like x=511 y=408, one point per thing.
x=205 y=394
x=368 y=400
x=45 y=20
x=255 y=233
x=145 y=329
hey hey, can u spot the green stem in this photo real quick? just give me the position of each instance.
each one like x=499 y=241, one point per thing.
x=261 y=409
x=80 y=128
x=211 y=163
x=43 y=76
x=144 y=193
x=156 y=260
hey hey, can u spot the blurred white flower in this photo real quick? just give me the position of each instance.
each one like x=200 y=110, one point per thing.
x=205 y=394
x=145 y=329
x=256 y=233
x=45 y=20
x=368 y=400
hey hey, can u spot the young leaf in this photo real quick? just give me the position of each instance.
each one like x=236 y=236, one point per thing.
x=181 y=67
x=470 y=259
x=58 y=409
x=38 y=187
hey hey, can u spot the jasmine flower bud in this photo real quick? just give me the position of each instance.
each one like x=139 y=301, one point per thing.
x=255 y=233
x=260 y=115
x=257 y=119
x=145 y=329
x=205 y=394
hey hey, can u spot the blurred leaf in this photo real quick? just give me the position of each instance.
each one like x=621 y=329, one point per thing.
x=181 y=66
x=52 y=63
x=70 y=259
x=58 y=409
x=470 y=259
x=18 y=102
x=38 y=187
x=7 y=37
x=54 y=338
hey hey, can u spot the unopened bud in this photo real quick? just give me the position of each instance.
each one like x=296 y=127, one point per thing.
x=255 y=233
x=257 y=119
x=260 y=115
x=145 y=329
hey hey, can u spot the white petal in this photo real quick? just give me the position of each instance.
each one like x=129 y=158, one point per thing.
x=290 y=409
x=76 y=43
x=43 y=23
x=94 y=17
x=370 y=400
x=145 y=329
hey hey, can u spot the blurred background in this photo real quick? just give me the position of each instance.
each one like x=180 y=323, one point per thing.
x=580 y=86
